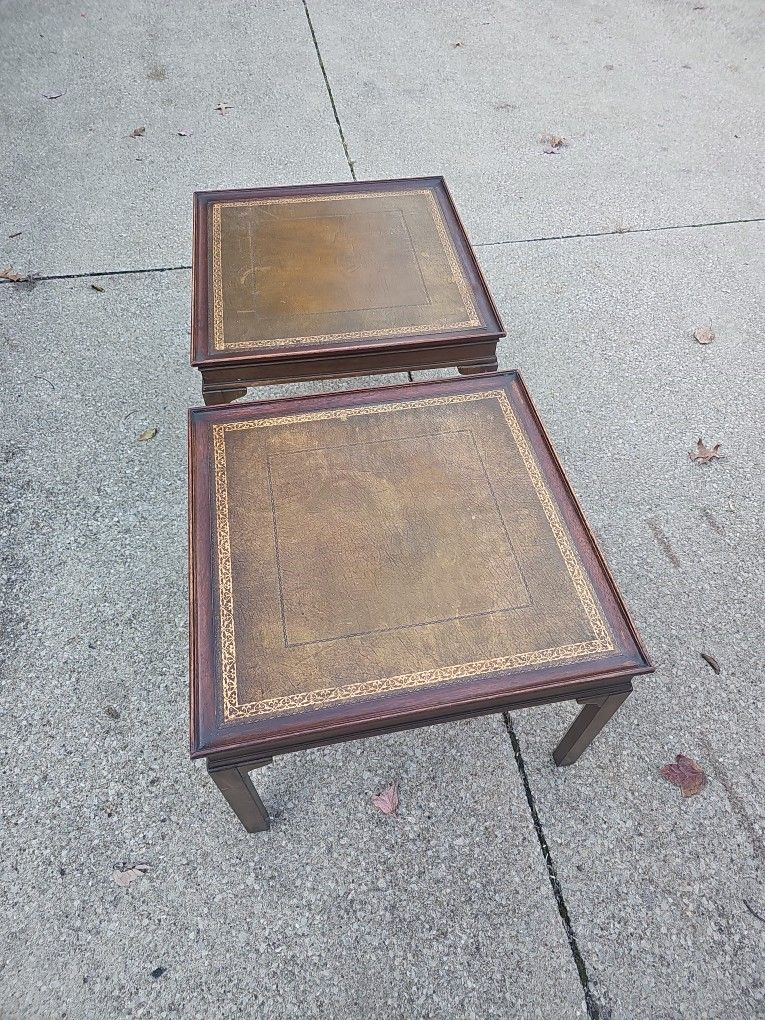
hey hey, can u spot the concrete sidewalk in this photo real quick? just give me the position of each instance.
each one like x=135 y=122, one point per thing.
x=505 y=887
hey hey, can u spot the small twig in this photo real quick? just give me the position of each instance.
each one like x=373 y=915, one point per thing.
x=43 y=379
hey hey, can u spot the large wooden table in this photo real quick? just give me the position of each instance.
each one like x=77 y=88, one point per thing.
x=329 y=280
x=379 y=559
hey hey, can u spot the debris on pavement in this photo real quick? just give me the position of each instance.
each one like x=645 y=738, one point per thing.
x=703 y=334
x=125 y=874
x=702 y=454
x=147 y=434
x=386 y=800
x=686 y=774
x=712 y=661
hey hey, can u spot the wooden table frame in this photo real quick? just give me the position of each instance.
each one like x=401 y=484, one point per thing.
x=600 y=685
x=231 y=775
x=226 y=374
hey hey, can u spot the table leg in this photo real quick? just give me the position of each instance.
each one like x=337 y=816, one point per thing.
x=236 y=786
x=486 y=366
x=587 y=725
x=213 y=397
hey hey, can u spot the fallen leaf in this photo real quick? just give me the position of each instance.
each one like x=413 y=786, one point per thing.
x=387 y=800
x=704 y=454
x=17 y=234
x=703 y=334
x=222 y=108
x=112 y=712
x=8 y=274
x=686 y=774
x=95 y=286
x=147 y=434
x=125 y=874
x=138 y=132
x=712 y=662
x=552 y=144
x=52 y=95
x=184 y=134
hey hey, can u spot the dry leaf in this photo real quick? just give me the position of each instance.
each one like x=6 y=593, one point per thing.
x=552 y=144
x=183 y=134
x=95 y=286
x=125 y=874
x=686 y=774
x=112 y=712
x=704 y=334
x=222 y=108
x=147 y=434
x=387 y=800
x=701 y=454
x=712 y=662
x=8 y=274
x=138 y=132
x=52 y=95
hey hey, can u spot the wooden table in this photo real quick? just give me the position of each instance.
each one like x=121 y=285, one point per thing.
x=329 y=280
x=379 y=559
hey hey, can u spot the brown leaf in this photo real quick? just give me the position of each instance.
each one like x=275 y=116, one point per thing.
x=125 y=874
x=712 y=661
x=138 y=132
x=704 y=334
x=686 y=774
x=222 y=108
x=8 y=274
x=95 y=286
x=702 y=454
x=147 y=434
x=387 y=800
x=552 y=144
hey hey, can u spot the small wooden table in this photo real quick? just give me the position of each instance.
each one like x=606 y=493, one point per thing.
x=378 y=559
x=329 y=280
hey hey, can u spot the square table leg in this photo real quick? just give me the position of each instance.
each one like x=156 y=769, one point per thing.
x=587 y=725
x=490 y=365
x=236 y=786
x=214 y=397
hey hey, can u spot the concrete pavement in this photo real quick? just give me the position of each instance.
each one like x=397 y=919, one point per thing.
x=506 y=887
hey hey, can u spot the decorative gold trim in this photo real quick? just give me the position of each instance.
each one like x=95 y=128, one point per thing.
x=442 y=325
x=602 y=640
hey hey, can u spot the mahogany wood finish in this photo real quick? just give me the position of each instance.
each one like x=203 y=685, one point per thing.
x=333 y=280
x=466 y=580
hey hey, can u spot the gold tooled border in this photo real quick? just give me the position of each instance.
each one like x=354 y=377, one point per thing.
x=602 y=640
x=458 y=276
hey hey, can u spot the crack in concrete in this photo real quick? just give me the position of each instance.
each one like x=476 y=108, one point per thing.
x=594 y=1010
x=620 y=231
x=329 y=91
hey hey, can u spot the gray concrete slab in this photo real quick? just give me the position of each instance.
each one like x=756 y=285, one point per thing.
x=338 y=912
x=657 y=886
x=87 y=196
x=661 y=103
